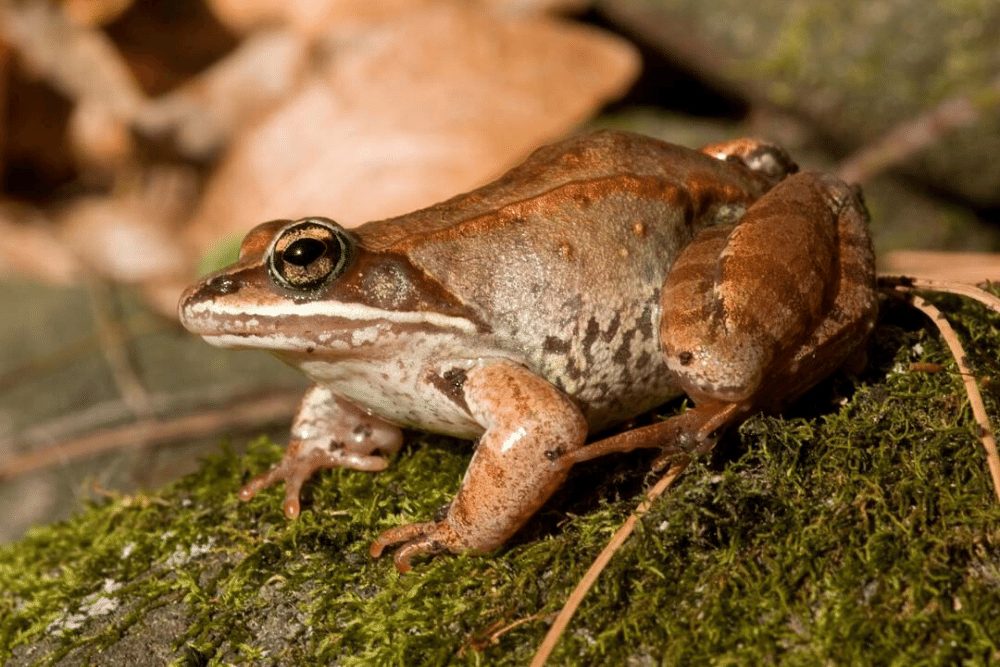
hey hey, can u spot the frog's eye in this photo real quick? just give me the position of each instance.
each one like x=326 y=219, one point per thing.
x=308 y=253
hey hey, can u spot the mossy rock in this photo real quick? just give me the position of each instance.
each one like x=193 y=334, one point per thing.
x=859 y=528
x=853 y=69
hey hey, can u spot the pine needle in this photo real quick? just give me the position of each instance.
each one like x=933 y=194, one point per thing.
x=602 y=560
x=907 y=284
x=985 y=432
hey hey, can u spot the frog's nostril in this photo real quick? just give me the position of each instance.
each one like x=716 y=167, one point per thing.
x=222 y=285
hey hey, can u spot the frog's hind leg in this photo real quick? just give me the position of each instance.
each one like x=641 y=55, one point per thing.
x=756 y=313
x=747 y=311
x=839 y=338
x=696 y=431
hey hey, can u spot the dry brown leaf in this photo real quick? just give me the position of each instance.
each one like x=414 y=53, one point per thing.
x=347 y=18
x=203 y=114
x=131 y=237
x=30 y=248
x=963 y=267
x=80 y=62
x=95 y=12
x=312 y=17
x=431 y=105
x=101 y=142
x=115 y=239
x=83 y=64
x=537 y=6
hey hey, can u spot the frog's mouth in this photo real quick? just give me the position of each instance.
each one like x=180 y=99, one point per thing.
x=243 y=325
x=257 y=342
x=250 y=321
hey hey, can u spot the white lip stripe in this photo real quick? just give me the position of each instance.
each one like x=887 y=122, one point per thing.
x=350 y=311
x=272 y=343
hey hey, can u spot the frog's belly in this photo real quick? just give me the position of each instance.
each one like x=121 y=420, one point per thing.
x=605 y=356
x=398 y=391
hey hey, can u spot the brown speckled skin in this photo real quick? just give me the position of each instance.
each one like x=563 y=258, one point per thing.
x=606 y=274
x=565 y=256
x=530 y=425
x=744 y=301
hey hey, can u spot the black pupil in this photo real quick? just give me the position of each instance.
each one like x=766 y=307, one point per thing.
x=303 y=252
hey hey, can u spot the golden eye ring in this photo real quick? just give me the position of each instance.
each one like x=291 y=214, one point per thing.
x=309 y=253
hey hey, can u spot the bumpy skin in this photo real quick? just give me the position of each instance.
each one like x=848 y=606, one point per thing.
x=604 y=275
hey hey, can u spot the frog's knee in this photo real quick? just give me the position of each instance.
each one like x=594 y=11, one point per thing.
x=729 y=372
x=840 y=196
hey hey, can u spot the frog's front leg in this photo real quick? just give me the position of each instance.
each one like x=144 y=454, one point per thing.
x=328 y=432
x=516 y=467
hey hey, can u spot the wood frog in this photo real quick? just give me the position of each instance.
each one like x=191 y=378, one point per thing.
x=603 y=276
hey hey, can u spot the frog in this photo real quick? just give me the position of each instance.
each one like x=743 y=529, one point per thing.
x=607 y=274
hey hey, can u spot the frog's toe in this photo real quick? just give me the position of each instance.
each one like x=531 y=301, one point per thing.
x=416 y=539
x=299 y=464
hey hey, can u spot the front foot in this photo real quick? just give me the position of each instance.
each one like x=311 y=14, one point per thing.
x=301 y=460
x=417 y=539
x=328 y=432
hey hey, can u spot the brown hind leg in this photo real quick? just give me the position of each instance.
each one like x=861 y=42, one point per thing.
x=694 y=432
x=756 y=313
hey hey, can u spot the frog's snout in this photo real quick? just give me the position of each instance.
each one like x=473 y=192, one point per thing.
x=186 y=311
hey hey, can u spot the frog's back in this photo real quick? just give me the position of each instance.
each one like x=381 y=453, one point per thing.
x=584 y=164
x=564 y=257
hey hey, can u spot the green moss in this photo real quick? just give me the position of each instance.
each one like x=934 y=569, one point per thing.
x=855 y=69
x=860 y=528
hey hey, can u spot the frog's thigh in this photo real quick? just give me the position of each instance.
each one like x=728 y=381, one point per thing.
x=851 y=318
x=741 y=296
x=529 y=425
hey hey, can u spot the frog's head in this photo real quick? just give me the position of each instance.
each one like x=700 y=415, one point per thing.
x=309 y=284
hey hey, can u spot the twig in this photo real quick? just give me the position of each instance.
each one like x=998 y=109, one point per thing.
x=137 y=326
x=908 y=283
x=602 y=560
x=53 y=360
x=114 y=346
x=495 y=636
x=915 y=134
x=495 y=632
x=249 y=413
x=112 y=413
x=985 y=432
x=925 y=367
